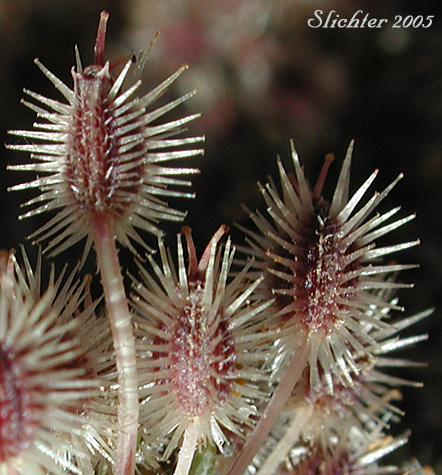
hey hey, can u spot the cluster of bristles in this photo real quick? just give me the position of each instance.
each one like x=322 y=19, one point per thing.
x=303 y=324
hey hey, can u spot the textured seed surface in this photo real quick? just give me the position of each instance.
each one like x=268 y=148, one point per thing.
x=202 y=358
x=320 y=270
x=15 y=428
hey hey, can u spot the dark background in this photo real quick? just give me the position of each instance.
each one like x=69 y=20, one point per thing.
x=264 y=77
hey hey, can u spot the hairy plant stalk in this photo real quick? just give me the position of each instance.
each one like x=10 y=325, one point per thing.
x=187 y=450
x=108 y=178
x=272 y=410
x=124 y=343
x=284 y=446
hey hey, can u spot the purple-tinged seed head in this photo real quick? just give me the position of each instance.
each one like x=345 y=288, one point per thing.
x=16 y=424
x=322 y=267
x=334 y=419
x=318 y=463
x=360 y=454
x=201 y=346
x=356 y=453
x=101 y=154
x=50 y=396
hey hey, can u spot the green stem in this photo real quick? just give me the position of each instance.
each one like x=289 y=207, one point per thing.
x=204 y=461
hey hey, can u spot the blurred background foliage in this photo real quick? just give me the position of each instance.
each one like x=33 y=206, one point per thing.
x=264 y=77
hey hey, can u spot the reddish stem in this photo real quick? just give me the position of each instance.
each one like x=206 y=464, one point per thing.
x=280 y=452
x=124 y=343
x=271 y=412
x=329 y=158
x=100 y=42
x=204 y=261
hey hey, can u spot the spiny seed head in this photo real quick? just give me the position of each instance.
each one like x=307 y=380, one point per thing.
x=316 y=463
x=359 y=453
x=319 y=432
x=361 y=458
x=321 y=265
x=99 y=154
x=333 y=418
x=50 y=394
x=201 y=347
x=372 y=397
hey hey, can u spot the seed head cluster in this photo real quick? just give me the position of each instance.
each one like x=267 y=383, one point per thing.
x=201 y=357
x=332 y=290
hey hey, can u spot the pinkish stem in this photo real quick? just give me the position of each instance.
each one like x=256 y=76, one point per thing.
x=271 y=412
x=187 y=450
x=280 y=452
x=124 y=344
x=101 y=39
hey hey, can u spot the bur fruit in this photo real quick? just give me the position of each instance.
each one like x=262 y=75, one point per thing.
x=54 y=415
x=101 y=153
x=323 y=267
x=324 y=271
x=201 y=348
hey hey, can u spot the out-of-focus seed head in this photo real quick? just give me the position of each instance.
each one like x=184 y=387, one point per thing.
x=321 y=265
x=348 y=425
x=413 y=467
x=201 y=347
x=360 y=452
x=361 y=458
x=53 y=416
x=100 y=153
x=373 y=394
